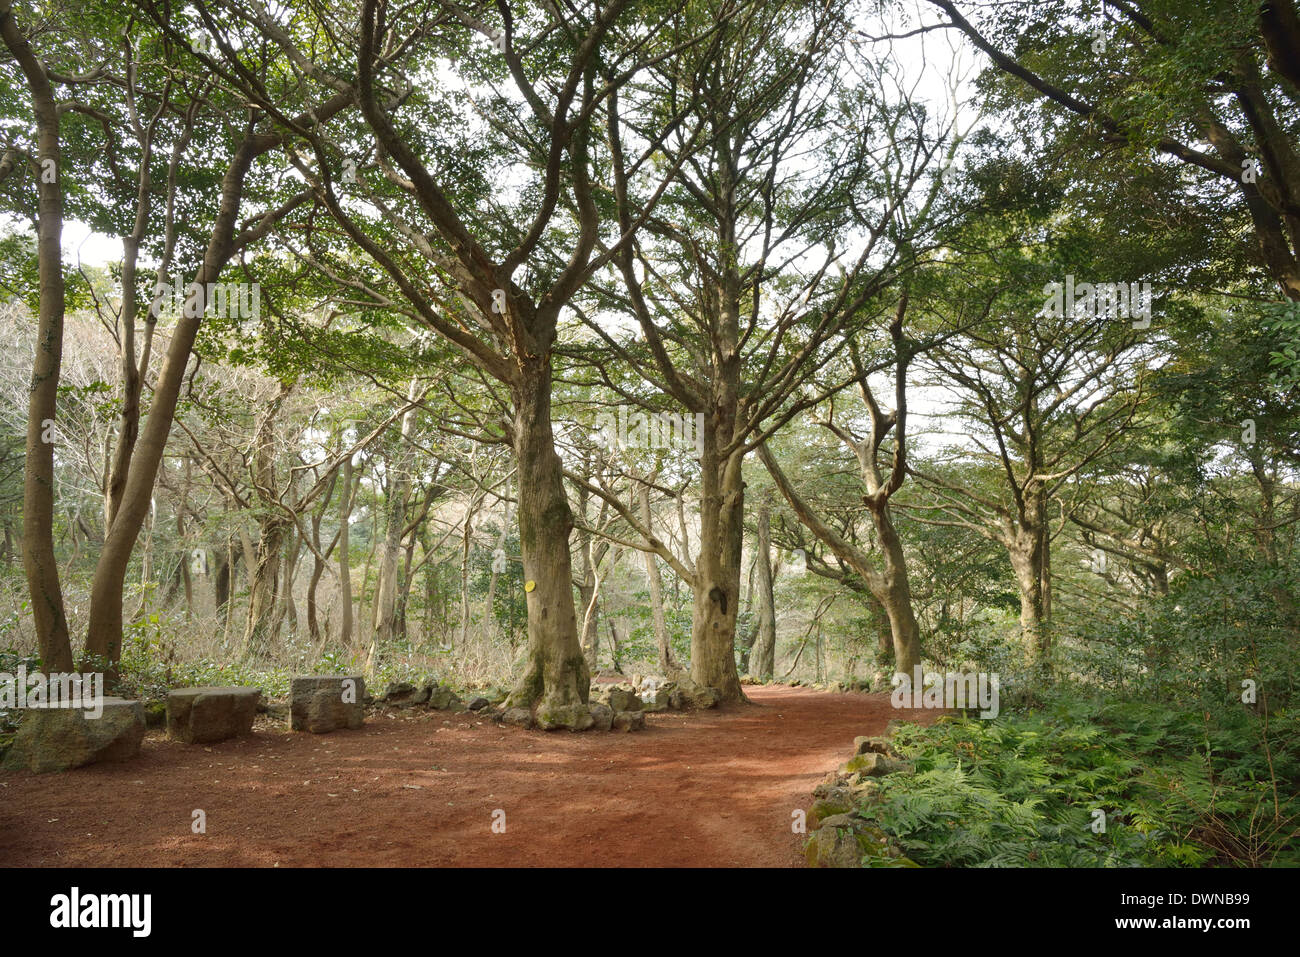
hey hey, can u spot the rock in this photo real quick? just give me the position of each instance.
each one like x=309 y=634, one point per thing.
x=704 y=697
x=842 y=819
x=747 y=680
x=878 y=848
x=655 y=693
x=893 y=725
x=833 y=847
x=875 y=743
x=825 y=808
x=833 y=779
x=155 y=714
x=405 y=695
x=629 y=721
x=478 y=704
x=520 y=717
x=205 y=715
x=324 y=703
x=442 y=698
x=657 y=700
x=864 y=792
x=847 y=841
x=575 y=717
x=602 y=716
x=623 y=699
x=873 y=765
x=677 y=699
x=58 y=739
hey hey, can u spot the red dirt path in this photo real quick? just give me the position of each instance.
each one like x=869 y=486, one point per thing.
x=703 y=789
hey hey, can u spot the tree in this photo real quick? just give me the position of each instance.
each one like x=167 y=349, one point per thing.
x=39 y=559
x=1175 y=76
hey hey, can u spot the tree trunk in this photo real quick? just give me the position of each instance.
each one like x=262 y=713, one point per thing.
x=556 y=675
x=589 y=602
x=104 y=635
x=762 y=656
x=467 y=533
x=39 y=561
x=399 y=485
x=1026 y=563
x=896 y=596
x=667 y=663
x=717 y=586
x=489 y=603
x=264 y=606
x=221 y=579
x=345 y=557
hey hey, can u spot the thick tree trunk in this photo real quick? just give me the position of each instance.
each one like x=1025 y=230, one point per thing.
x=265 y=609
x=39 y=561
x=896 y=595
x=762 y=656
x=1026 y=562
x=717 y=569
x=556 y=676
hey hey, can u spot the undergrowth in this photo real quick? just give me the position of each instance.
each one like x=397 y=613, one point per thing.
x=1079 y=783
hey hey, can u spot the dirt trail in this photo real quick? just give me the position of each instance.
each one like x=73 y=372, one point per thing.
x=705 y=789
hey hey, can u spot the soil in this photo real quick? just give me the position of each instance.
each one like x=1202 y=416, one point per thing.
x=709 y=788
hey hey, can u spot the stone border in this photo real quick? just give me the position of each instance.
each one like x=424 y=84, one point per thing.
x=842 y=830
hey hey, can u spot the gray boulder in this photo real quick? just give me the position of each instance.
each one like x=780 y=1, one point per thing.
x=204 y=715
x=623 y=699
x=442 y=698
x=520 y=717
x=58 y=739
x=877 y=744
x=629 y=721
x=703 y=697
x=404 y=695
x=602 y=716
x=324 y=703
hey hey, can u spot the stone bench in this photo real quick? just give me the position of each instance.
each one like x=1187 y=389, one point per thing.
x=323 y=703
x=205 y=715
x=58 y=739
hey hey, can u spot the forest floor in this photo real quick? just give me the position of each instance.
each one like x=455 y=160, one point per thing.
x=709 y=788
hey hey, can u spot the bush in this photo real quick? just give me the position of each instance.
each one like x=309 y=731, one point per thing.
x=1176 y=789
